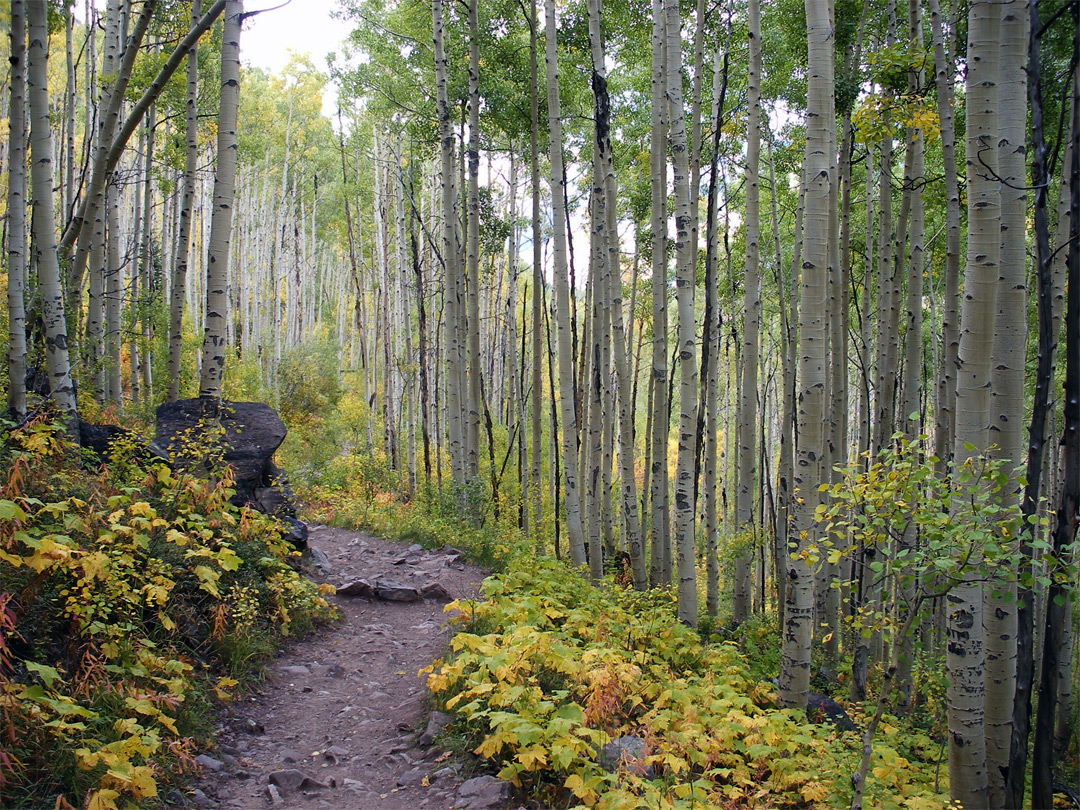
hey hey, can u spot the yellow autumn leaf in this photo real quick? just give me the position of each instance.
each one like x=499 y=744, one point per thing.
x=179 y=538
x=143 y=509
x=143 y=784
x=104 y=799
x=533 y=757
x=814 y=791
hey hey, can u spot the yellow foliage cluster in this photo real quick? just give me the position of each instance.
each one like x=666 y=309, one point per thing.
x=551 y=669
x=121 y=596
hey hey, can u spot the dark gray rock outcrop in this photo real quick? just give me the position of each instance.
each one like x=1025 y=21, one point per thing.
x=250 y=433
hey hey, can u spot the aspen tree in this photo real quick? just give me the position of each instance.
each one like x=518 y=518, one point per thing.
x=118 y=61
x=217 y=273
x=945 y=414
x=44 y=220
x=608 y=237
x=1048 y=320
x=964 y=604
x=575 y=537
x=659 y=563
x=911 y=386
x=472 y=316
x=1055 y=645
x=16 y=225
x=711 y=335
x=68 y=189
x=744 y=496
x=454 y=411
x=596 y=375
x=687 y=340
x=537 y=282
x=808 y=473
x=1008 y=364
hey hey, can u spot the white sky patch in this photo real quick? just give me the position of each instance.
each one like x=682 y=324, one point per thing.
x=268 y=39
x=301 y=27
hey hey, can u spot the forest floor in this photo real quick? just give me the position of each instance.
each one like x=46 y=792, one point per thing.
x=338 y=721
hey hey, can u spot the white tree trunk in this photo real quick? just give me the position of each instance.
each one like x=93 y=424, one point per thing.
x=217 y=275
x=684 y=284
x=44 y=220
x=16 y=225
x=818 y=172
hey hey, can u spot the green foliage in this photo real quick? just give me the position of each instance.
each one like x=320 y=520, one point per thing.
x=965 y=525
x=129 y=598
x=549 y=669
x=361 y=490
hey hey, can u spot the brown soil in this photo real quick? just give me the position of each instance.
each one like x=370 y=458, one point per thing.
x=345 y=707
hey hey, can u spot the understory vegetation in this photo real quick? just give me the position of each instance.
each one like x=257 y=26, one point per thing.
x=548 y=667
x=134 y=599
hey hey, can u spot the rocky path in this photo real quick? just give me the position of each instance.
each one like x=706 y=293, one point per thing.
x=337 y=723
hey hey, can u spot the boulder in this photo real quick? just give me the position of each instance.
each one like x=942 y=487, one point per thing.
x=100 y=438
x=823 y=709
x=251 y=433
x=626 y=754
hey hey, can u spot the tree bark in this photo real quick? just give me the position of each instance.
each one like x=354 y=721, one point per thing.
x=659 y=572
x=964 y=604
x=217 y=272
x=16 y=225
x=472 y=319
x=687 y=339
x=538 y=284
x=945 y=417
x=808 y=474
x=183 y=246
x=744 y=494
x=43 y=218
x=1007 y=380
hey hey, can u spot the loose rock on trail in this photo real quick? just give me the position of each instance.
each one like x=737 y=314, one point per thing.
x=338 y=722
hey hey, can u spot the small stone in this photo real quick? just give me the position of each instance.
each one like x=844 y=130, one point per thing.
x=391 y=591
x=200 y=799
x=626 y=754
x=288 y=779
x=435 y=724
x=335 y=754
x=274 y=795
x=319 y=558
x=483 y=791
x=436 y=590
x=360 y=587
x=444 y=773
x=411 y=778
x=209 y=763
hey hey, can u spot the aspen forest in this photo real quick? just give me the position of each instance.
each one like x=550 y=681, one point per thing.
x=735 y=342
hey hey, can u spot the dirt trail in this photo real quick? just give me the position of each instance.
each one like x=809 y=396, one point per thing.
x=336 y=723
